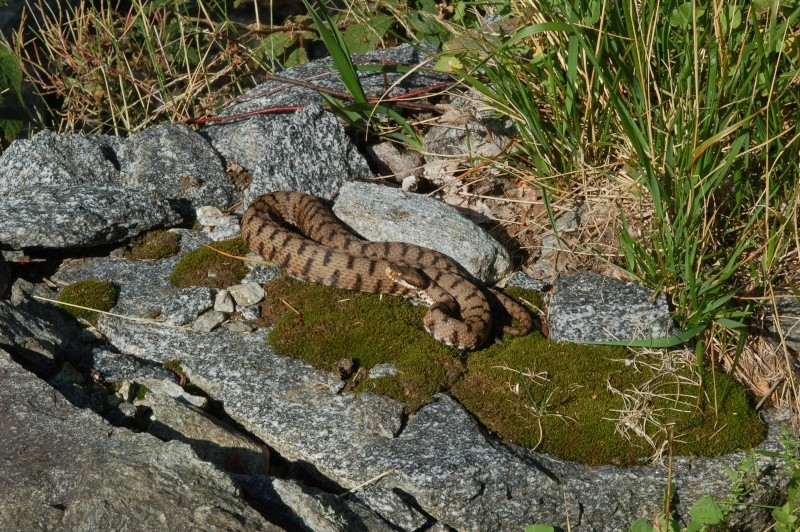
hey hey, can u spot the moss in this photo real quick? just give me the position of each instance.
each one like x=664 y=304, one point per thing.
x=570 y=408
x=141 y=392
x=335 y=324
x=92 y=293
x=567 y=410
x=206 y=267
x=153 y=245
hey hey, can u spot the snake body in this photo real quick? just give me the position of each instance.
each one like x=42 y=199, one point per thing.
x=298 y=233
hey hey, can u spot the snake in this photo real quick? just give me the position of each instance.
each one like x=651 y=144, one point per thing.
x=299 y=233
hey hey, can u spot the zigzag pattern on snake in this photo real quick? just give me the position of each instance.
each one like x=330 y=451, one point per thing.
x=298 y=233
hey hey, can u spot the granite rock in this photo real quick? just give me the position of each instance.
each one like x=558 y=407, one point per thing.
x=311 y=153
x=71 y=470
x=587 y=307
x=383 y=214
x=187 y=305
x=788 y=307
x=173 y=161
x=58 y=160
x=64 y=216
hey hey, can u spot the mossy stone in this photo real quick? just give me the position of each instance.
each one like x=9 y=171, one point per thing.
x=563 y=405
x=206 y=267
x=153 y=245
x=92 y=293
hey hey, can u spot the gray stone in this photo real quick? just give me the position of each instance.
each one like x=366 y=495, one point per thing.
x=64 y=216
x=298 y=507
x=311 y=154
x=243 y=139
x=391 y=506
x=252 y=312
x=208 y=321
x=788 y=308
x=65 y=468
x=37 y=333
x=188 y=304
x=382 y=370
x=144 y=288
x=396 y=163
x=5 y=275
x=172 y=161
x=238 y=327
x=521 y=280
x=247 y=294
x=170 y=388
x=211 y=439
x=54 y=160
x=112 y=366
x=261 y=273
x=380 y=213
x=223 y=302
x=218 y=226
x=587 y=307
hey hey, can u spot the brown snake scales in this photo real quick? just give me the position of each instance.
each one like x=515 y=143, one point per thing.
x=298 y=233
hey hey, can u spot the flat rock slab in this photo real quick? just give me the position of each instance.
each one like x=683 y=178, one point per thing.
x=587 y=307
x=381 y=213
x=445 y=466
x=71 y=470
x=60 y=217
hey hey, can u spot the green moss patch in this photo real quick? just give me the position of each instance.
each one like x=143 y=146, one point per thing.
x=91 y=293
x=153 y=245
x=561 y=398
x=206 y=267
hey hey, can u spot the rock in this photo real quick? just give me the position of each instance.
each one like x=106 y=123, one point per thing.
x=208 y=321
x=382 y=214
x=5 y=275
x=521 y=280
x=36 y=333
x=311 y=154
x=112 y=366
x=243 y=140
x=445 y=462
x=211 y=439
x=172 y=161
x=171 y=389
x=587 y=307
x=218 y=226
x=54 y=160
x=65 y=468
x=247 y=294
x=396 y=163
x=788 y=307
x=188 y=304
x=64 y=216
x=223 y=302
x=382 y=370
x=252 y=312
x=298 y=507
x=144 y=288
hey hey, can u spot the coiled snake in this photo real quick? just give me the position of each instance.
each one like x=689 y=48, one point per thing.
x=298 y=233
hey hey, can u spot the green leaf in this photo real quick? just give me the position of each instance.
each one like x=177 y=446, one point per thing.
x=706 y=511
x=10 y=73
x=642 y=525
x=368 y=35
x=657 y=343
x=682 y=16
x=539 y=528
